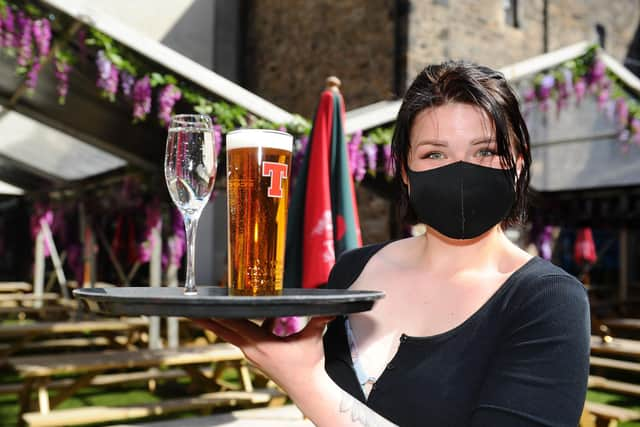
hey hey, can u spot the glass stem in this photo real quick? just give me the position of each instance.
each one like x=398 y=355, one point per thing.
x=191 y=224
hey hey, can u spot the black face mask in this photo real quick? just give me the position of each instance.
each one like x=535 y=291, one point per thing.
x=461 y=200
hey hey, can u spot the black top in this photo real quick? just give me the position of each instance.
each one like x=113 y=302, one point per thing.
x=522 y=359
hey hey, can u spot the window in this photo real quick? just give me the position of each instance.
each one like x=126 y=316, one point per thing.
x=510 y=8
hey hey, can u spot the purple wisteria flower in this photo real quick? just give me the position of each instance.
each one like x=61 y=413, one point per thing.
x=361 y=166
x=32 y=75
x=217 y=140
x=298 y=158
x=141 y=98
x=25 y=56
x=529 y=95
x=597 y=72
x=622 y=112
x=353 y=147
x=603 y=97
x=370 y=151
x=635 y=131
x=153 y=221
x=126 y=83
x=8 y=25
x=42 y=36
x=167 y=98
x=107 y=76
x=177 y=242
x=389 y=167
x=580 y=89
x=62 y=70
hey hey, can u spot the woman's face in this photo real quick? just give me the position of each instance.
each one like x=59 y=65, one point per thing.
x=451 y=133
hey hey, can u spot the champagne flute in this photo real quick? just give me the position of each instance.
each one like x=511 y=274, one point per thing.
x=190 y=169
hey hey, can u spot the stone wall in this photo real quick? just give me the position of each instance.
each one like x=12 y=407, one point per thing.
x=477 y=30
x=293 y=46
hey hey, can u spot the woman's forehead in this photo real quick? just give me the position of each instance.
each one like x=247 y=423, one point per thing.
x=456 y=121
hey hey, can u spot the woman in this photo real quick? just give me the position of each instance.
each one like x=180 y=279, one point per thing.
x=473 y=331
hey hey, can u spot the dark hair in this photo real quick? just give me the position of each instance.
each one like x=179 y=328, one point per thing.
x=464 y=82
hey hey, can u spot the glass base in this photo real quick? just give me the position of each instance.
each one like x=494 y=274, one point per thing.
x=190 y=293
x=254 y=292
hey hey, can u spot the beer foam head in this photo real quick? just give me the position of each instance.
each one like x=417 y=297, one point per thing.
x=249 y=138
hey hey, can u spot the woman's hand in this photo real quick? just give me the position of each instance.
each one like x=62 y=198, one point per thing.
x=292 y=362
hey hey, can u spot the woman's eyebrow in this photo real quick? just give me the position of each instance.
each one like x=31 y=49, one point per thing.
x=483 y=141
x=434 y=142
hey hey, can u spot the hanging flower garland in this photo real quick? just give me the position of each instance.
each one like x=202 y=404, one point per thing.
x=578 y=78
x=370 y=154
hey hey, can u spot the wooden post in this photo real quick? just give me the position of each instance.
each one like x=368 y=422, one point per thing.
x=55 y=258
x=155 y=280
x=38 y=269
x=173 y=334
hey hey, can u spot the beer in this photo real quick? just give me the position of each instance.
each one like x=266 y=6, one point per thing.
x=258 y=170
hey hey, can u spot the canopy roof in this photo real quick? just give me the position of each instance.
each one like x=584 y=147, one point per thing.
x=48 y=146
x=575 y=150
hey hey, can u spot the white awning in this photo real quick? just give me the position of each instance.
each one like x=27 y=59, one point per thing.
x=8 y=189
x=385 y=112
x=50 y=152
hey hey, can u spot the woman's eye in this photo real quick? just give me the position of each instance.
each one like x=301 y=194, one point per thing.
x=486 y=152
x=433 y=155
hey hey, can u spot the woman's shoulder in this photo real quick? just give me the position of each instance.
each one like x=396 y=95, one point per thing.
x=542 y=283
x=351 y=263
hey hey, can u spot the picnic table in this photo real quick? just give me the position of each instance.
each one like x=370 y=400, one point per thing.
x=37 y=373
x=283 y=416
x=626 y=323
x=23 y=334
x=12 y=287
x=615 y=347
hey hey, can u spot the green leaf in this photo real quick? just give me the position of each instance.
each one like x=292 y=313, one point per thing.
x=156 y=79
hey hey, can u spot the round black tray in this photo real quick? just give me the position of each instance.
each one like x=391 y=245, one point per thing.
x=215 y=302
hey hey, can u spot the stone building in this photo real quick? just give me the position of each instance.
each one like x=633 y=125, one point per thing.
x=377 y=46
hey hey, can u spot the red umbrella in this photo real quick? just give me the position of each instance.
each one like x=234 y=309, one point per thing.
x=584 y=250
x=323 y=216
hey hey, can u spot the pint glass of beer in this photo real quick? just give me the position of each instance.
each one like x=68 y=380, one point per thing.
x=258 y=168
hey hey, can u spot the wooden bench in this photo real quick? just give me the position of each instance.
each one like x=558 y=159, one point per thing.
x=606 y=415
x=110 y=379
x=12 y=287
x=616 y=347
x=24 y=334
x=37 y=371
x=283 y=416
x=621 y=387
x=19 y=299
x=100 y=414
x=621 y=365
x=626 y=323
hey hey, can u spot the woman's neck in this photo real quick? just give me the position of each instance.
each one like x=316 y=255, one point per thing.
x=447 y=256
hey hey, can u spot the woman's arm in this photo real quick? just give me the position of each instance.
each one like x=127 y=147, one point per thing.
x=296 y=363
x=538 y=376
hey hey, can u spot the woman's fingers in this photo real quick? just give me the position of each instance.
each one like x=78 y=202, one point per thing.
x=315 y=327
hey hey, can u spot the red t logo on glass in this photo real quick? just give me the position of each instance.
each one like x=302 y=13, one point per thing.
x=277 y=172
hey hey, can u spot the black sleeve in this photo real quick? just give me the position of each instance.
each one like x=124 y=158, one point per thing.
x=539 y=375
x=349 y=266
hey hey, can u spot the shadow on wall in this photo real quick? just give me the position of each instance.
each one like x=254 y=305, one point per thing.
x=209 y=32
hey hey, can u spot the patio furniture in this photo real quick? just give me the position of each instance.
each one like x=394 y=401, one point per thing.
x=23 y=335
x=37 y=373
